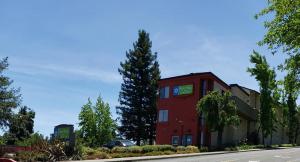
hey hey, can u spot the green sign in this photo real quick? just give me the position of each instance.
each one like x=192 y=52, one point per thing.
x=63 y=133
x=183 y=90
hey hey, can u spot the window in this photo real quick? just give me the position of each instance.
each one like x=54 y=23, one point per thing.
x=164 y=92
x=175 y=140
x=163 y=116
x=187 y=140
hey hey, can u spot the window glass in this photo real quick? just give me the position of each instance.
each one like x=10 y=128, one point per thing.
x=187 y=140
x=164 y=92
x=163 y=116
x=175 y=140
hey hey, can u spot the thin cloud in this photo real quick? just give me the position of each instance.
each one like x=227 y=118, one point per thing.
x=63 y=71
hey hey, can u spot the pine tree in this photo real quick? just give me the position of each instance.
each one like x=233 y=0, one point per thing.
x=140 y=72
x=21 y=125
x=9 y=96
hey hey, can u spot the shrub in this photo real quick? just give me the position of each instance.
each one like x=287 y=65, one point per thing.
x=180 y=149
x=135 y=149
x=149 y=148
x=120 y=150
x=88 y=151
x=192 y=149
x=103 y=149
x=231 y=149
x=286 y=145
x=120 y=155
x=166 y=148
x=30 y=156
x=203 y=149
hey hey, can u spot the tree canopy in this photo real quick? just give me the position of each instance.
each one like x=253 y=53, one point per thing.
x=96 y=124
x=9 y=96
x=137 y=110
x=265 y=75
x=219 y=111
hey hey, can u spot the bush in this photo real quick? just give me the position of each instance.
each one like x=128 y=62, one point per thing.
x=103 y=149
x=30 y=156
x=166 y=148
x=180 y=149
x=192 y=149
x=203 y=149
x=120 y=150
x=287 y=145
x=231 y=149
x=149 y=148
x=135 y=149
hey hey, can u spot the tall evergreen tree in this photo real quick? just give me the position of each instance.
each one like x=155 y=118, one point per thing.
x=9 y=96
x=140 y=72
x=21 y=125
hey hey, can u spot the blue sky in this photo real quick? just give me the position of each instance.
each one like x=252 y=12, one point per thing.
x=62 y=52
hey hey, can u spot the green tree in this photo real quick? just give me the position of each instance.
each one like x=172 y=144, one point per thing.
x=219 y=111
x=291 y=86
x=266 y=78
x=9 y=96
x=283 y=29
x=137 y=110
x=106 y=126
x=21 y=125
x=87 y=124
x=96 y=124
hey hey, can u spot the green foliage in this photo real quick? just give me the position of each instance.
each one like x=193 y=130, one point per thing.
x=140 y=72
x=9 y=96
x=219 y=110
x=30 y=156
x=31 y=141
x=268 y=87
x=96 y=124
x=187 y=149
x=150 y=148
x=284 y=26
x=21 y=125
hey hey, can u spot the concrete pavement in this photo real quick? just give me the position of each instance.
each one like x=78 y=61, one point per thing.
x=278 y=155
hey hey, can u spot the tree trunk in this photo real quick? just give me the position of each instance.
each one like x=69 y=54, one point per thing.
x=220 y=135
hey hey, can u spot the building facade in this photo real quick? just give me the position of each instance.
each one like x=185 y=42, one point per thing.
x=180 y=124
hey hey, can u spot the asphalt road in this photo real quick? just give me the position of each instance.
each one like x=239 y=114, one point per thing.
x=279 y=155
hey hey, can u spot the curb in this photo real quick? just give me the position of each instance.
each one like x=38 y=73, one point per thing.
x=145 y=158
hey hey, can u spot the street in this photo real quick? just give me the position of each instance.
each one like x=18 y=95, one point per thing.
x=280 y=155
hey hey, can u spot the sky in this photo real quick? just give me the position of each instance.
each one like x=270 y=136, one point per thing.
x=63 y=52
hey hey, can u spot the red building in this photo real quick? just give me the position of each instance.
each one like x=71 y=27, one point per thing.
x=178 y=121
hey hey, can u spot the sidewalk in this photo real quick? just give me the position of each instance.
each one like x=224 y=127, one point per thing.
x=166 y=156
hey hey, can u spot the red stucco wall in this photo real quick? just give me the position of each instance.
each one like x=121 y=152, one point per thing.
x=182 y=114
